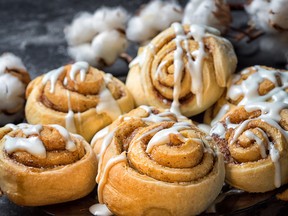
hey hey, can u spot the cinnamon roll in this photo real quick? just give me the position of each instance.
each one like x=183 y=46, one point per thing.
x=42 y=165
x=185 y=68
x=78 y=97
x=257 y=83
x=253 y=139
x=14 y=79
x=153 y=163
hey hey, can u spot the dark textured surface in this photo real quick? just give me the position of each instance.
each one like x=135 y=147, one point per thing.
x=33 y=30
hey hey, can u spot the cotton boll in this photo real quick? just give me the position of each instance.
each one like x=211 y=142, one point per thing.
x=152 y=19
x=13 y=81
x=10 y=61
x=81 y=30
x=110 y=18
x=138 y=30
x=83 y=52
x=213 y=13
x=269 y=16
x=108 y=45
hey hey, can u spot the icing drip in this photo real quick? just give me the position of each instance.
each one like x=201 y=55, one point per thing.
x=195 y=67
x=70 y=145
x=33 y=145
x=106 y=142
x=249 y=87
x=69 y=118
x=81 y=67
x=162 y=137
x=112 y=162
x=205 y=128
x=99 y=135
x=100 y=210
x=160 y=117
x=224 y=109
x=252 y=136
x=52 y=76
x=107 y=104
x=26 y=128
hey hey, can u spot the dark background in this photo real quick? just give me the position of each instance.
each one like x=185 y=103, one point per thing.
x=33 y=30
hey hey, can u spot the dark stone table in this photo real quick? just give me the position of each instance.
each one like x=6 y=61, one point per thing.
x=33 y=30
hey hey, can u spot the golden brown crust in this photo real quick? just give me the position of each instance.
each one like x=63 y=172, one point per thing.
x=182 y=176
x=75 y=95
x=255 y=149
x=151 y=80
x=30 y=181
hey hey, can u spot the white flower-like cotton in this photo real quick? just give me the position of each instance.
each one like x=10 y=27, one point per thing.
x=13 y=81
x=98 y=38
x=82 y=30
x=269 y=15
x=215 y=13
x=108 y=45
x=152 y=19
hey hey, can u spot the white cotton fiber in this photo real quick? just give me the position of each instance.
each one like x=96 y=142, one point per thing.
x=98 y=38
x=206 y=12
x=152 y=19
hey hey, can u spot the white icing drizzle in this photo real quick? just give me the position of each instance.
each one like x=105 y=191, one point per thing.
x=81 y=67
x=218 y=129
x=140 y=59
x=249 y=87
x=270 y=113
x=224 y=109
x=162 y=137
x=159 y=69
x=107 y=104
x=106 y=142
x=160 y=117
x=33 y=145
x=70 y=145
x=52 y=76
x=204 y=127
x=99 y=135
x=249 y=134
x=112 y=162
x=100 y=210
x=69 y=118
x=195 y=67
x=27 y=129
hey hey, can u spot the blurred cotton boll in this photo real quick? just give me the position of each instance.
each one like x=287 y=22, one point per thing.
x=153 y=18
x=108 y=45
x=82 y=30
x=269 y=16
x=98 y=38
x=215 y=13
x=110 y=18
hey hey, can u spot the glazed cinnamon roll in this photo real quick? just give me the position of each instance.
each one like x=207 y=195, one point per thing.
x=14 y=79
x=257 y=83
x=153 y=163
x=253 y=140
x=42 y=165
x=184 y=68
x=78 y=97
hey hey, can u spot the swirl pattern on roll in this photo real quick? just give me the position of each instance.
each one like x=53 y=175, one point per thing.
x=78 y=97
x=37 y=163
x=253 y=84
x=153 y=150
x=184 y=68
x=253 y=139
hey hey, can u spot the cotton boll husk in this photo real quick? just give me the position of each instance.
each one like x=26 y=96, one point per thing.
x=138 y=30
x=81 y=30
x=83 y=52
x=205 y=12
x=108 y=45
x=110 y=18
